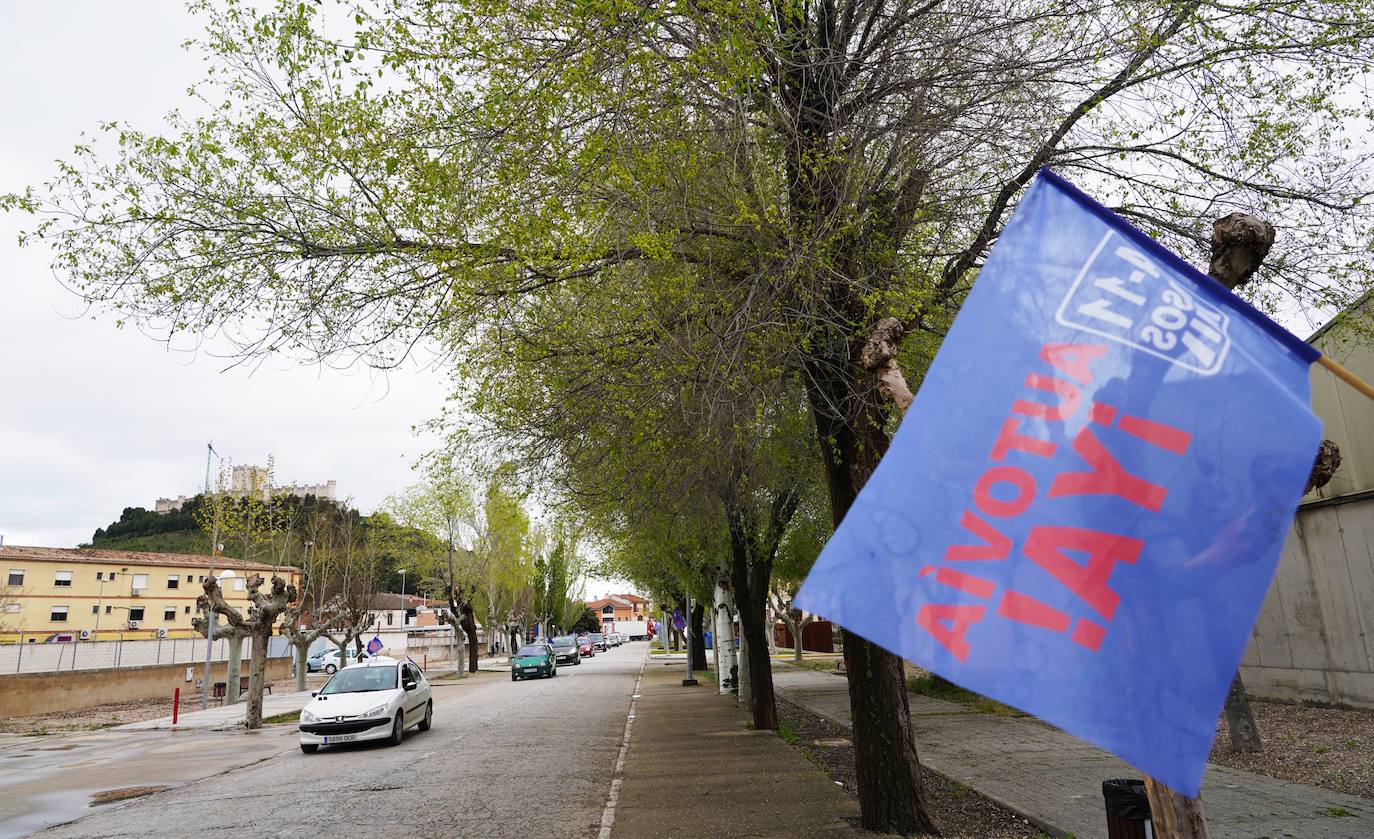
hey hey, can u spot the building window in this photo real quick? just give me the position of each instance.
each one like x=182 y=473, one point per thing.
x=238 y=584
x=140 y=582
x=186 y=610
x=64 y=578
x=58 y=614
x=188 y=579
x=136 y=614
x=16 y=577
x=95 y=610
x=169 y=613
x=12 y=608
x=174 y=581
x=100 y=575
x=108 y=609
x=200 y=579
x=389 y=619
x=607 y=610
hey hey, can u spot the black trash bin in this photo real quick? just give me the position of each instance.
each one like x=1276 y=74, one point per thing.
x=1128 y=809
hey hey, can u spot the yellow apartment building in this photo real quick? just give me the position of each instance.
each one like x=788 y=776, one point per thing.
x=94 y=594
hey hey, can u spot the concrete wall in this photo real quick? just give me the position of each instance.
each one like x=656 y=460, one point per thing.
x=1314 y=640
x=37 y=693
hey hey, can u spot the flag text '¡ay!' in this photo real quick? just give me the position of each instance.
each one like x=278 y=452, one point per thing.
x=1005 y=490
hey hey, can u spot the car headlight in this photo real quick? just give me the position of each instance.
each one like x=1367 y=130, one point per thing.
x=306 y=716
x=375 y=712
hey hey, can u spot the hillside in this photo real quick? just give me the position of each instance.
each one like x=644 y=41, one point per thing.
x=174 y=542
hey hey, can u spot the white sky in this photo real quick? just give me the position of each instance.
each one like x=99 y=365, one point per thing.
x=93 y=418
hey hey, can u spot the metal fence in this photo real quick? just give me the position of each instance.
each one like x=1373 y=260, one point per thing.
x=31 y=655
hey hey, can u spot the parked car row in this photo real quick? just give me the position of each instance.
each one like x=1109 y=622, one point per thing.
x=541 y=658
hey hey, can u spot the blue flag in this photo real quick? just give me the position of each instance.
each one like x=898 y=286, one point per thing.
x=374 y=645
x=1083 y=509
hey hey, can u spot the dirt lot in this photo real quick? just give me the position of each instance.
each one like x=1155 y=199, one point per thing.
x=958 y=810
x=1324 y=747
x=105 y=716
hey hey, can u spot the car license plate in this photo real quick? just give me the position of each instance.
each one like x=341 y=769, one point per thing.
x=340 y=738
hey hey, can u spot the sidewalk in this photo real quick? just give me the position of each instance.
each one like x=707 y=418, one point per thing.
x=694 y=768
x=221 y=717
x=1055 y=780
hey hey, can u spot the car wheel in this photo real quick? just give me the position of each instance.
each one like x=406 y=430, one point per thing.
x=309 y=748
x=429 y=717
x=514 y=678
x=330 y=669
x=397 y=732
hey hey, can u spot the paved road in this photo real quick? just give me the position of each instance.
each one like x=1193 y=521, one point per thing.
x=504 y=759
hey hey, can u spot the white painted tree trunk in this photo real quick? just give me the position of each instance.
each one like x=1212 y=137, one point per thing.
x=772 y=620
x=724 y=639
x=302 y=662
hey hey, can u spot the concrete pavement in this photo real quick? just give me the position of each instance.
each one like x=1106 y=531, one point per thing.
x=1055 y=780
x=504 y=759
x=695 y=769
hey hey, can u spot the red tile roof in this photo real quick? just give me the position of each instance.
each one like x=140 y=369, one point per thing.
x=106 y=557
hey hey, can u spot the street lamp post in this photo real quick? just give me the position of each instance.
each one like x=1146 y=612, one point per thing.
x=100 y=595
x=404 y=617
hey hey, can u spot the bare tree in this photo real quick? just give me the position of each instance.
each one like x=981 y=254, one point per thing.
x=797 y=621
x=259 y=622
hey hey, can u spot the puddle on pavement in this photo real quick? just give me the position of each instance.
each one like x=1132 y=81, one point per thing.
x=65 y=748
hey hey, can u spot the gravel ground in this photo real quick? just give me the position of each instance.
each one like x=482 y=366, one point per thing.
x=960 y=812
x=1324 y=747
x=104 y=716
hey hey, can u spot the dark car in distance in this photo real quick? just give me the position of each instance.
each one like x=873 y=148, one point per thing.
x=565 y=649
x=599 y=641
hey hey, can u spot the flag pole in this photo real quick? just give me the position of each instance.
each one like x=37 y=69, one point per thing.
x=1346 y=376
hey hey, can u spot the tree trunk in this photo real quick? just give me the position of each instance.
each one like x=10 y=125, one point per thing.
x=849 y=427
x=302 y=662
x=746 y=684
x=233 y=667
x=698 y=637
x=1240 y=721
x=795 y=630
x=885 y=757
x=460 y=639
x=257 y=672
x=727 y=670
x=762 y=703
x=470 y=629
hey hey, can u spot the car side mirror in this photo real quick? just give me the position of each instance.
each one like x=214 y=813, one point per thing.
x=409 y=685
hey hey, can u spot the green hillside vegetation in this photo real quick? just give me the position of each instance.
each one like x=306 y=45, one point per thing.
x=396 y=546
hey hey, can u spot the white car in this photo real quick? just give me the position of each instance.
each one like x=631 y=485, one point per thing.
x=329 y=662
x=377 y=699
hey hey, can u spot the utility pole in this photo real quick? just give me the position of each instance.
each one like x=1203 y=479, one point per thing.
x=687 y=635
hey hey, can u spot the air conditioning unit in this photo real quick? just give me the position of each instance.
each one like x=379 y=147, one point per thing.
x=138 y=592
x=133 y=624
x=162 y=633
x=85 y=635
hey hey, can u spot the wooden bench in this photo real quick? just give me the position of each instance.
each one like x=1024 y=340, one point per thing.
x=243 y=686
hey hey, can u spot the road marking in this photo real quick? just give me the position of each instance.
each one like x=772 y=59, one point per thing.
x=617 y=775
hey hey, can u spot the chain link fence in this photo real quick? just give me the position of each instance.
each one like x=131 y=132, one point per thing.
x=32 y=655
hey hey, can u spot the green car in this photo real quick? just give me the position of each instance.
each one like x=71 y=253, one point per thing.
x=533 y=660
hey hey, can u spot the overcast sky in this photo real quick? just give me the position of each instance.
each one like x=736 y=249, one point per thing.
x=94 y=418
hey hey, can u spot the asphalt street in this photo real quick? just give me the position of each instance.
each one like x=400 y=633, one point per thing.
x=504 y=759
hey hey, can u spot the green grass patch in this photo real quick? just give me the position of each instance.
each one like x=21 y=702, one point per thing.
x=290 y=716
x=824 y=665
x=788 y=733
x=1336 y=812
x=938 y=688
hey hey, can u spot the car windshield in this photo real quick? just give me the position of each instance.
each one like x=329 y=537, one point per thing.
x=361 y=680
x=535 y=651
x=565 y=641
x=596 y=636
